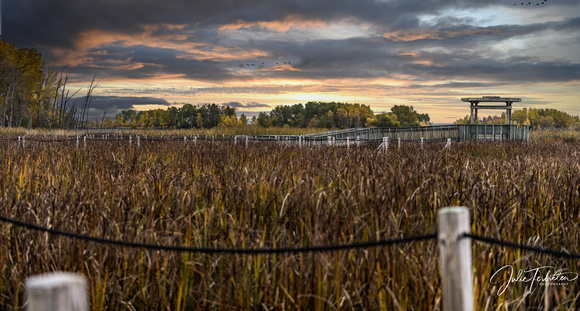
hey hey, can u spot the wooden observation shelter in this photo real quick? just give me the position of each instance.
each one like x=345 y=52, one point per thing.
x=475 y=106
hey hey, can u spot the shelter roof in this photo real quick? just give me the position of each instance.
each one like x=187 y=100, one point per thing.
x=491 y=99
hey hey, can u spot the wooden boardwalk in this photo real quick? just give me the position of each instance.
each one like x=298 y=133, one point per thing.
x=464 y=132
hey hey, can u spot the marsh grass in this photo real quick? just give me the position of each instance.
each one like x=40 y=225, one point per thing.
x=216 y=131
x=272 y=195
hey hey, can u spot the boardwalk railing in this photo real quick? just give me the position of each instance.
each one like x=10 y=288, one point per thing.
x=463 y=132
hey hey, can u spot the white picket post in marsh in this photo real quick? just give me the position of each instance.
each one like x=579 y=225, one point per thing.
x=347 y=142
x=235 y=140
x=455 y=257
x=386 y=143
x=139 y=140
x=85 y=142
x=300 y=141
x=358 y=141
x=421 y=143
x=77 y=141
x=57 y=292
x=23 y=142
x=130 y=140
x=399 y=142
x=185 y=139
x=19 y=139
x=195 y=140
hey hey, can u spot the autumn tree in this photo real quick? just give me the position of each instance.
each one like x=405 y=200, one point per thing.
x=388 y=119
x=31 y=93
x=243 y=120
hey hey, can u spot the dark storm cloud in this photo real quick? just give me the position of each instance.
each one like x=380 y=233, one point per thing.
x=121 y=103
x=238 y=105
x=470 y=65
x=58 y=22
x=111 y=105
x=456 y=85
x=149 y=62
x=49 y=22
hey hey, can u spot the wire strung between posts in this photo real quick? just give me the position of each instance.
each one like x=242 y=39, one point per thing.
x=535 y=249
x=209 y=250
x=323 y=248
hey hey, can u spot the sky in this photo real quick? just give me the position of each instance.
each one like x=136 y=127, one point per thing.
x=256 y=54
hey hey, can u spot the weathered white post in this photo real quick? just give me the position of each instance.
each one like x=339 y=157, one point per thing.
x=77 y=141
x=300 y=141
x=358 y=141
x=85 y=142
x=246 y=141
x=195 y=140
x=399 y=142
x=57 y=292
x=386 y=143
x=347 y=142
x=185 y=139
x=23 y=142
x=235 y=140
x=455 y=256
x=138 y=141
x=130 y=140
x=421 y=142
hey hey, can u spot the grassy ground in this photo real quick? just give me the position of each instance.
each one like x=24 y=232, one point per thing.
x=271 y=195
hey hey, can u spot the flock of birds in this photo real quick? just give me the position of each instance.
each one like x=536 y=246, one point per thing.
x=530 y=3
x=278 y=63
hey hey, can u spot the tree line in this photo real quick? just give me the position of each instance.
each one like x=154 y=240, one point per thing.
x=35 y=95
x=340 y=115
x=184 y=117
x=312 y=114
x=536 y=118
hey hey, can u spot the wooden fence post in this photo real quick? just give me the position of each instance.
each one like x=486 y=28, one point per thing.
x=455 y=256
x=57 y=291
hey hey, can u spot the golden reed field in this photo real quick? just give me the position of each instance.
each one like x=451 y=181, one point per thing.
x=269 y=195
